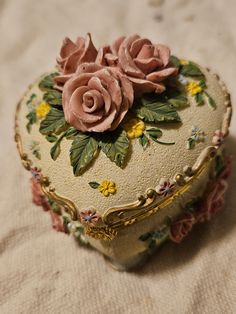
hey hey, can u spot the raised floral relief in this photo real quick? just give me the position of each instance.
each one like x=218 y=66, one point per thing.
x=218 y=138
x=165 y=187
x=197 y=210
x=197 y=135
x=106 y=187
x=103 y=99
x=194 y=81
x=61 y=221
x=89 y=217
x=35 y=149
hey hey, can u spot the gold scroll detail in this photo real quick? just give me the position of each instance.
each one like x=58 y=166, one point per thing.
x=67 y=204
x=101 y=233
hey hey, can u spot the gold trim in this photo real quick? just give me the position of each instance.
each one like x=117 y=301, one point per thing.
x=67 y=204
x=116 y=218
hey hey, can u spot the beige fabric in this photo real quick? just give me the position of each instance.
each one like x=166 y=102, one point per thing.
x=42 y=271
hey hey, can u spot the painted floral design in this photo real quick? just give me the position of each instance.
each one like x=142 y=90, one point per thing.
x=37 y=111
x=214 y=196
x=89 y=217
x=194 y=88
x=197 y=135
x=197 y=210
x=57 y=222
x=181 y=227
x=36 y=173
x=165 y=188
x=134 y=128
x=42 y=110
x=106 y=187
x=218 y=138
x=35 y=149
x=38 y=195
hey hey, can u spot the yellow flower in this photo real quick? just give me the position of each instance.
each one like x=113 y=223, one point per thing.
x=194 y=88
x=42 y=109
x=183 y=62
x=107 y=187
x=134 y=128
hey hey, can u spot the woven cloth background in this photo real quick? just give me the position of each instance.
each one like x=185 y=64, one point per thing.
x=42 y=271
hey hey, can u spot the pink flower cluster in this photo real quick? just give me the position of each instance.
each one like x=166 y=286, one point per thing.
x=212 y=202
x=40 y=199
x=99 y=86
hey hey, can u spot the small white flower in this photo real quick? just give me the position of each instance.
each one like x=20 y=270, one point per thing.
x=182 y=79
x=197 y=134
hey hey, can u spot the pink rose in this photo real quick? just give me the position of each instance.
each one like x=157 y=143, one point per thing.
x=181 y=227
x=145 y=64
x=213 y=198
x=38 y=196
x=73 y=54
x=218 y=138
x=57 y=222
x=96 y=99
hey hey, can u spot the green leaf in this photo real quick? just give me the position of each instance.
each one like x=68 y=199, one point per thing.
x=145 y=236
x=202 y=83
x=53 y=98
x=115 y=145
x=55 y=150
x=51 y=138
x=211 y=101
x=220 y=165
x=151 y=110
x=179 y=101
x=94 y=184
x=37 y=154
x=154 y=132
x=54 y=122
x=175 y=61
x=71 y=133
x=32 y=118
x=199 y=99
x=190 y=143
x=47 y=82
x=83 y=150
x=191 y=69
x=143 y=140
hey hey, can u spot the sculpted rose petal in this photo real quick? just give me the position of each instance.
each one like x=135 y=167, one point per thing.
x=88 y=68
x=76 y=105
x=90 y=52
x=72 y=54
x=164 y=53
x=145 y=86
x=136 y=47
x=92 y=101
x=147 y=65
x=95 y=83
x=161 y=75
x=112 y=86
x=147 y=51
x=102 y=52
x=96 y=101
x=115 y=46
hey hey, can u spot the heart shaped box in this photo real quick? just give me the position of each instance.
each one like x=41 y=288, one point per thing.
x=159 y=193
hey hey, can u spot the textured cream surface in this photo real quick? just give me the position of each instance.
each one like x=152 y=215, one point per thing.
x=144 y=169
x=42 y=271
